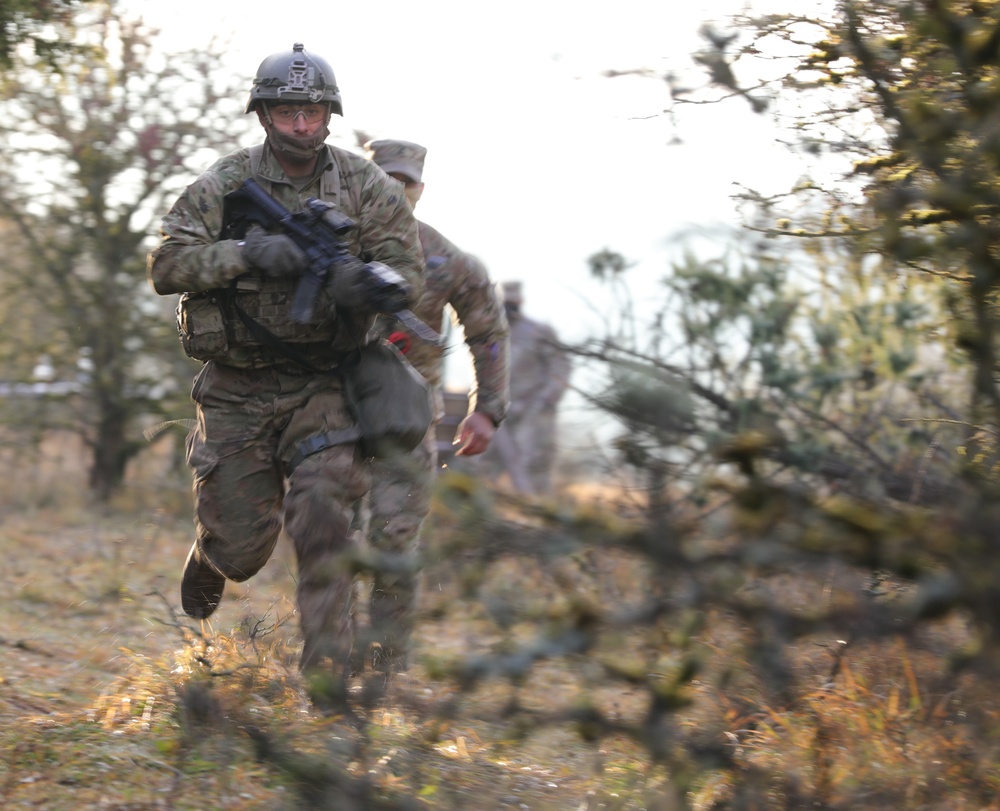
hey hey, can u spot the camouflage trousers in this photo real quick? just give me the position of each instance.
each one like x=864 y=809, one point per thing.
x=394 y=513
x=249 y=424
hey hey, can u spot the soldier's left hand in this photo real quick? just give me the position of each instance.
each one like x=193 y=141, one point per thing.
x=273 y=254
x=474 y=434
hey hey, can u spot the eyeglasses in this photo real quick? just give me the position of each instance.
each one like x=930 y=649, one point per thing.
x=288 y=112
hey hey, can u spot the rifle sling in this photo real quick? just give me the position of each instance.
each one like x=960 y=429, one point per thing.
x=272 y=341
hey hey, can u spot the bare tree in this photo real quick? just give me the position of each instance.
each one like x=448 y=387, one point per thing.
x=96 y=153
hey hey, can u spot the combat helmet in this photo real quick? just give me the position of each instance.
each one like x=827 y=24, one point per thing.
x=295 y=76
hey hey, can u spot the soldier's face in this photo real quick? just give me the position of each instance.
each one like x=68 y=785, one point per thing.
x=297 y=130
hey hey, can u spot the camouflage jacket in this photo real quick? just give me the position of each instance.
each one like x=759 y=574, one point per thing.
x=192 y=258
x=454 y=277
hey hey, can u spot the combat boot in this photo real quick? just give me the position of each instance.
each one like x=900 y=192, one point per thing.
x=201 y=586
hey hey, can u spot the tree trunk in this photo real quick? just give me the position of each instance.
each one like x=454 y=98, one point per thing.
x=111 y=452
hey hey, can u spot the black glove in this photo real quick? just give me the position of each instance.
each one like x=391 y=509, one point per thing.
x=273 y=254
x=347 y=285
x=374 y=287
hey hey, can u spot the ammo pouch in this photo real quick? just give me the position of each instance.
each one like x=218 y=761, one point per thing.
x=201 y=325
x=390 y=401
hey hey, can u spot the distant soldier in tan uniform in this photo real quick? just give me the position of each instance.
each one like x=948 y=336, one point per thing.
x=526 y=446
x=271 y=383
x=400 y=495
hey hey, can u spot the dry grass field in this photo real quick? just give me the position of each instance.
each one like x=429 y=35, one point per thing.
x=111 y=699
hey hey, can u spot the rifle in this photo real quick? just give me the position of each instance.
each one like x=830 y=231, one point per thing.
x=317 y=231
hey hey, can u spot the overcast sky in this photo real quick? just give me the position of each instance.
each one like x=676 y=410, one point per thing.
x=535 y=159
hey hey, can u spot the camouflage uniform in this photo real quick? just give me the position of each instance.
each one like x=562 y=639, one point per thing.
x=254 y=405
x=525 y=447
x=401 y=492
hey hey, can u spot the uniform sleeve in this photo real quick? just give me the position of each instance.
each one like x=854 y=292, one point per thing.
x=188 y=258
x=479 y=310
x=388 y=230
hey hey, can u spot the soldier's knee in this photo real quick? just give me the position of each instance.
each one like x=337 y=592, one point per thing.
x=240 y=552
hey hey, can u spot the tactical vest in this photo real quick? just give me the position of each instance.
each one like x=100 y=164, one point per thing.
x=210 y=323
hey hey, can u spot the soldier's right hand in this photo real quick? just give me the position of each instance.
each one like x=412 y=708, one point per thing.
x=273 y=254
x=373 y=287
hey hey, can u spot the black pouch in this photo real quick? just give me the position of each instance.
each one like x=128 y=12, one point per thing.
x=390 y=400
x=201 y=326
